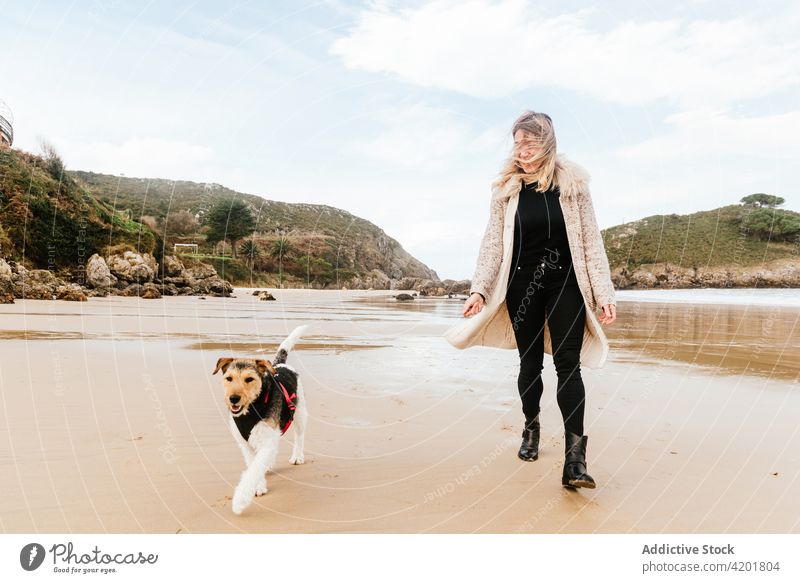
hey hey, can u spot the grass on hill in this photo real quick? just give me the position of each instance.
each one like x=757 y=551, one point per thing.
x=703 y=239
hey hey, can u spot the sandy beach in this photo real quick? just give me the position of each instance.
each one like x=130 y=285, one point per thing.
x=113 y=423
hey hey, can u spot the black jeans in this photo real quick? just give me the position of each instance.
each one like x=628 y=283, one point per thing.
x=548 y=289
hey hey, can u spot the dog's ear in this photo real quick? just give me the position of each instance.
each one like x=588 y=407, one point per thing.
x=264 y=366
x=223 y=363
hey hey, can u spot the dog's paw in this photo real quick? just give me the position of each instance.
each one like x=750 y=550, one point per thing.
x=240 y=501
x=297 y=459
x=261 y=489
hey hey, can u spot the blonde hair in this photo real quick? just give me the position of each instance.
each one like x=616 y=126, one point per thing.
x=538 y=128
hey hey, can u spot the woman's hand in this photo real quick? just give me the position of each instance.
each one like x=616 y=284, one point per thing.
x=473 y=305
x=609 y=314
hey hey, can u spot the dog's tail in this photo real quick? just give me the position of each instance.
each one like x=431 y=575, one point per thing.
x=288 y=344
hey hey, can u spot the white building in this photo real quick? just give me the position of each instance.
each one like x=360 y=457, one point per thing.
x=6 y=125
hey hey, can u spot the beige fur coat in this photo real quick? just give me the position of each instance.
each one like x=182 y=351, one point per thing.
x=492 y=325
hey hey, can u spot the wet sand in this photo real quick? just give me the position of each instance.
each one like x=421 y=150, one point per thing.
x=112 y=421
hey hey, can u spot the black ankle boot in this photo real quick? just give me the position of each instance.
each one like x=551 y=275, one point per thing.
x=574 y=475
x=529 y=450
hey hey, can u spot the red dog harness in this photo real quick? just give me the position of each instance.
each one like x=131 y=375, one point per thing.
x=288 y=417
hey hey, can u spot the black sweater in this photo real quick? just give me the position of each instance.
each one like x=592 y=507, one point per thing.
x=539 y=224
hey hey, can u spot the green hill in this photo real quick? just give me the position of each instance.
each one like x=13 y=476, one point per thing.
x=730 y=235
x=54 y=222
x=54 y=217
x=331 y=242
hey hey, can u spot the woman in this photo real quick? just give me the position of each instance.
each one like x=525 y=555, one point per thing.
x=541 y=272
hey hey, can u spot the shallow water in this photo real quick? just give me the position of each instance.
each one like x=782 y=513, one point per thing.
x=755 y=340
x=752 y=332
x=745 y=296
x=740 y=331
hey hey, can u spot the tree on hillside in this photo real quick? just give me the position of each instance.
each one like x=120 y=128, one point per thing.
x=251 y=252
x=229 y=222
x=53 y=163
x=773 y=225
x=316 y=269
x=280 y=249
x=150 y=221
x=762 y=200
x=181 y=222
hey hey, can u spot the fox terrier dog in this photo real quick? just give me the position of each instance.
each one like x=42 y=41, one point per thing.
x=264 y=400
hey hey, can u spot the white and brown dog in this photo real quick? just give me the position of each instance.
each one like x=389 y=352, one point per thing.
x=264 y=401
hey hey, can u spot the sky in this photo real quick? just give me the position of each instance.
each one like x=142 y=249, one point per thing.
x=401 y=112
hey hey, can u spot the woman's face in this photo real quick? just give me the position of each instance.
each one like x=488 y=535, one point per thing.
x=526 y=146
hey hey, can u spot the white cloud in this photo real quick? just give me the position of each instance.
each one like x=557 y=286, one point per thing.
x=493 y=50
x=714 y=134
